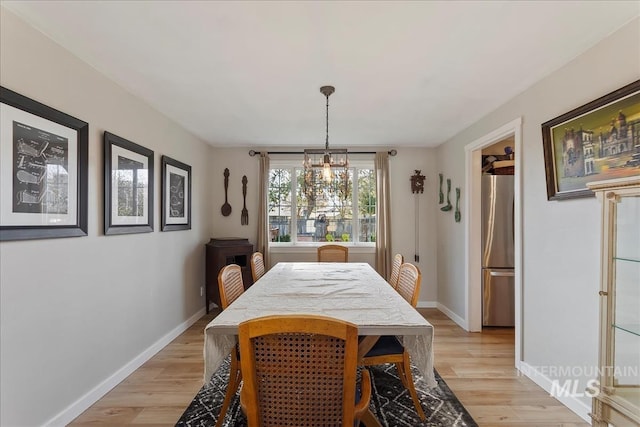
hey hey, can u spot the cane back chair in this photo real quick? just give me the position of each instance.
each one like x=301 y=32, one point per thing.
x=231 y=287
x=398 y=259
x=333 y=253
x=257 y=266
x=300 y=370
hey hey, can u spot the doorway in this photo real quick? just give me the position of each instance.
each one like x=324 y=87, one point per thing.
x=473 y=249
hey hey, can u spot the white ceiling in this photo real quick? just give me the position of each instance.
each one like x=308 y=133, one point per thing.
x=248 y=73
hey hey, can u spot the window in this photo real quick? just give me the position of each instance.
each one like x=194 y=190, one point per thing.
x=320 y=211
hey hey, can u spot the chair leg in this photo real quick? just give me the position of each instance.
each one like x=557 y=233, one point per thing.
x=406 y=368
x=369 y=420
x=402 y=374
x=235 y=377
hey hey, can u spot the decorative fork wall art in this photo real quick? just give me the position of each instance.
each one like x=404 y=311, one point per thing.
x=244 y=216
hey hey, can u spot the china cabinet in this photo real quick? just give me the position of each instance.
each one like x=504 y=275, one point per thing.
x=617 y=398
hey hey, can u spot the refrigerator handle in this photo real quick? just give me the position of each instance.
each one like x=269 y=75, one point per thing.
x=502 y=273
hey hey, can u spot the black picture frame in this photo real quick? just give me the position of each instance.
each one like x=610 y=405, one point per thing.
x=128 y=186
x=44 y=173
x=176 y=195
x=597 y=141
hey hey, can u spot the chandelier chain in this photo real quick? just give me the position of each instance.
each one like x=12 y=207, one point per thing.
x=326 y=145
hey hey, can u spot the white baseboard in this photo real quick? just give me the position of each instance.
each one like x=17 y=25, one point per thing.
x=451 y=315
x=573 y=403
x=427 y=304
x=79 y=406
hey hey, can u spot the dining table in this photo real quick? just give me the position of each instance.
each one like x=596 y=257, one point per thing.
x=352 y=292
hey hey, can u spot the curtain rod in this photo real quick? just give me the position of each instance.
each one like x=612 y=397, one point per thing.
x=253 y=152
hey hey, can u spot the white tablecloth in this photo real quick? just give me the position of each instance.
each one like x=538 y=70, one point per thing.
x=353 y=292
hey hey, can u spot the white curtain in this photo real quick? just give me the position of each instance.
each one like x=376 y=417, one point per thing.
x=383 y=215
x=263 y=239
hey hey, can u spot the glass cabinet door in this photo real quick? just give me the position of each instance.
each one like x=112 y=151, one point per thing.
x=617 y=400
x=625 y=287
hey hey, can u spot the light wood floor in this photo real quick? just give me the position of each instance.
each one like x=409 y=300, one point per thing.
x=477 y=366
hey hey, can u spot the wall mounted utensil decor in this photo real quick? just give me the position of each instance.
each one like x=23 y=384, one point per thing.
x=226 y=207
x=457 y=214
x=244 y=216
x=128 y=186
x=176 y=195
x=440 y=194
x=448 y=206
x=44 y=158
x=594 y=142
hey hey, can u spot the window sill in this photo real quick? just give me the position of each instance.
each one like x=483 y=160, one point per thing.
x=362 y=248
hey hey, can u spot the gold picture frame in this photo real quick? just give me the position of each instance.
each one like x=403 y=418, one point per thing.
x=597 y=141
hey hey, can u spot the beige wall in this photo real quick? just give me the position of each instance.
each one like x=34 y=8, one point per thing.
x=75 y=311
x=560 y=238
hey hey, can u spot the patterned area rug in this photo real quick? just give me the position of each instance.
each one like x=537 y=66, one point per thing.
x=390 y=402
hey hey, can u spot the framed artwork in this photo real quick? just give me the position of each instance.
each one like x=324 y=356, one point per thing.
x=44 y=157
x=594 y=142
x=128 y=186
x=176 y=195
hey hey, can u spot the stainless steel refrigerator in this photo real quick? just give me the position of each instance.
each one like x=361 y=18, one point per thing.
x=498 y=279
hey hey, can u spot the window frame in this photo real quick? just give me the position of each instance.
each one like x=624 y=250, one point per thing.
x=292 y=165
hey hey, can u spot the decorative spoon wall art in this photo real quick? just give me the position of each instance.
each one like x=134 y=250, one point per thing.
x=441 y=194
x=226 y=208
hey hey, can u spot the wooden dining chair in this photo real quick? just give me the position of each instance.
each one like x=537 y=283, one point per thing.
x=388 y=348
x=231 y=287
x=230 y=284
x=409 y=280
x=333 y=253
x=300 y=370
x=398 y=259
x=257 y=266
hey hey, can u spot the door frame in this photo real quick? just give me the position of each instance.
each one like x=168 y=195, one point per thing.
x=473 y=230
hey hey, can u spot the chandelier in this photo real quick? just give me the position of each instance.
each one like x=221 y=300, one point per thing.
x=328 y=159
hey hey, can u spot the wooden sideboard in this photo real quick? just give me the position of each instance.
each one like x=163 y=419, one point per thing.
x=224 y=251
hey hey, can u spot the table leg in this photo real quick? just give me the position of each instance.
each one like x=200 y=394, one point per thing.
x=365 y=344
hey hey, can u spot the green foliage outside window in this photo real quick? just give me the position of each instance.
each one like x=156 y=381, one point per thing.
x=319 y=211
